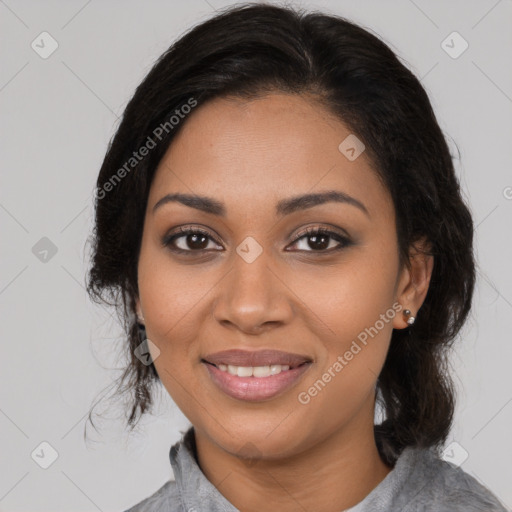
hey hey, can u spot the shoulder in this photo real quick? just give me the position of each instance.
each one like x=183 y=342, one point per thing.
x=165 y=499
x=440 y=486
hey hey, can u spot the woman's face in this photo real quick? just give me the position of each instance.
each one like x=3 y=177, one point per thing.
x=254 y=279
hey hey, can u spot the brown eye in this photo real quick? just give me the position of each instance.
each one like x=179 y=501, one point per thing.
x=188 y=240
x=320 y=240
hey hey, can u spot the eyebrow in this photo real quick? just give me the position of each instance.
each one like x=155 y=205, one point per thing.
x=283 y=207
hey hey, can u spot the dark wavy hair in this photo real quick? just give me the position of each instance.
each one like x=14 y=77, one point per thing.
x=250 y=50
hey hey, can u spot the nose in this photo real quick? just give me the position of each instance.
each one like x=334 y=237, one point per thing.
x=252 y=297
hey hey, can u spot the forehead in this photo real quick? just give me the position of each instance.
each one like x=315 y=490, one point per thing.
x=248 y=153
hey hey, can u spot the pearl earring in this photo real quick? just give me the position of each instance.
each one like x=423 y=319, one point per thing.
x=410 y=319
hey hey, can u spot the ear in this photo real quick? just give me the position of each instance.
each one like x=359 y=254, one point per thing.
x=413 y=281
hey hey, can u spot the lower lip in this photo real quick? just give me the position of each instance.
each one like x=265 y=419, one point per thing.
x=255 y=388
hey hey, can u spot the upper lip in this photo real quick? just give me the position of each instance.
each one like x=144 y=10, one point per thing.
x=237 y=357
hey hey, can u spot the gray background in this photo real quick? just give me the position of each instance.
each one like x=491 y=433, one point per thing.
x=59 y=351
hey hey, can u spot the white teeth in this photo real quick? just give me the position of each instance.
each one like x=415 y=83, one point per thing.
x=243 y=371
x=276 y=368
x=261 y=371
x=256 y=371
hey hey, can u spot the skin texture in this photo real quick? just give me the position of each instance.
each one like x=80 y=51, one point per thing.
x=249 y=155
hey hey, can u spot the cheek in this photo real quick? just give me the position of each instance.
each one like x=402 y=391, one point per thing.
x=350 y=297
x=355 y=306
x=177 y=305
x=169 y=293
x=352 y=359
x=172 y=302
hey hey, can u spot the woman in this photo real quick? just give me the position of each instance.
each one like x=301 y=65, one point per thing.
x=280 y=223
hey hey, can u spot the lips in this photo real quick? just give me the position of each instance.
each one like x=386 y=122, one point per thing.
x=238 y=357
x=271 y=372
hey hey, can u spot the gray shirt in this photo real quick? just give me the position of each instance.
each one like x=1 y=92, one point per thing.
x=419 y=482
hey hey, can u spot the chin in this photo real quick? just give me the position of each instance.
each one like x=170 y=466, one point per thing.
x=267 y=440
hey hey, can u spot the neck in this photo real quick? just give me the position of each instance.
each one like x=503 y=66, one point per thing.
x=332 y=475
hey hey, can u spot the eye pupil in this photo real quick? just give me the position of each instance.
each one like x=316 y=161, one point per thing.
x=192 y=241
x=319 y=245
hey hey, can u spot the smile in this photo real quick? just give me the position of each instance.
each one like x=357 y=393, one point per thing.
x=255 y=383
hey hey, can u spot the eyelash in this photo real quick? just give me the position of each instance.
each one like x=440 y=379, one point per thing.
x=341 y=239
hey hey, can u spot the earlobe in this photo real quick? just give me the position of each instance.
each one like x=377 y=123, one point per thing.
x=140 y=315
x=414 y=283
